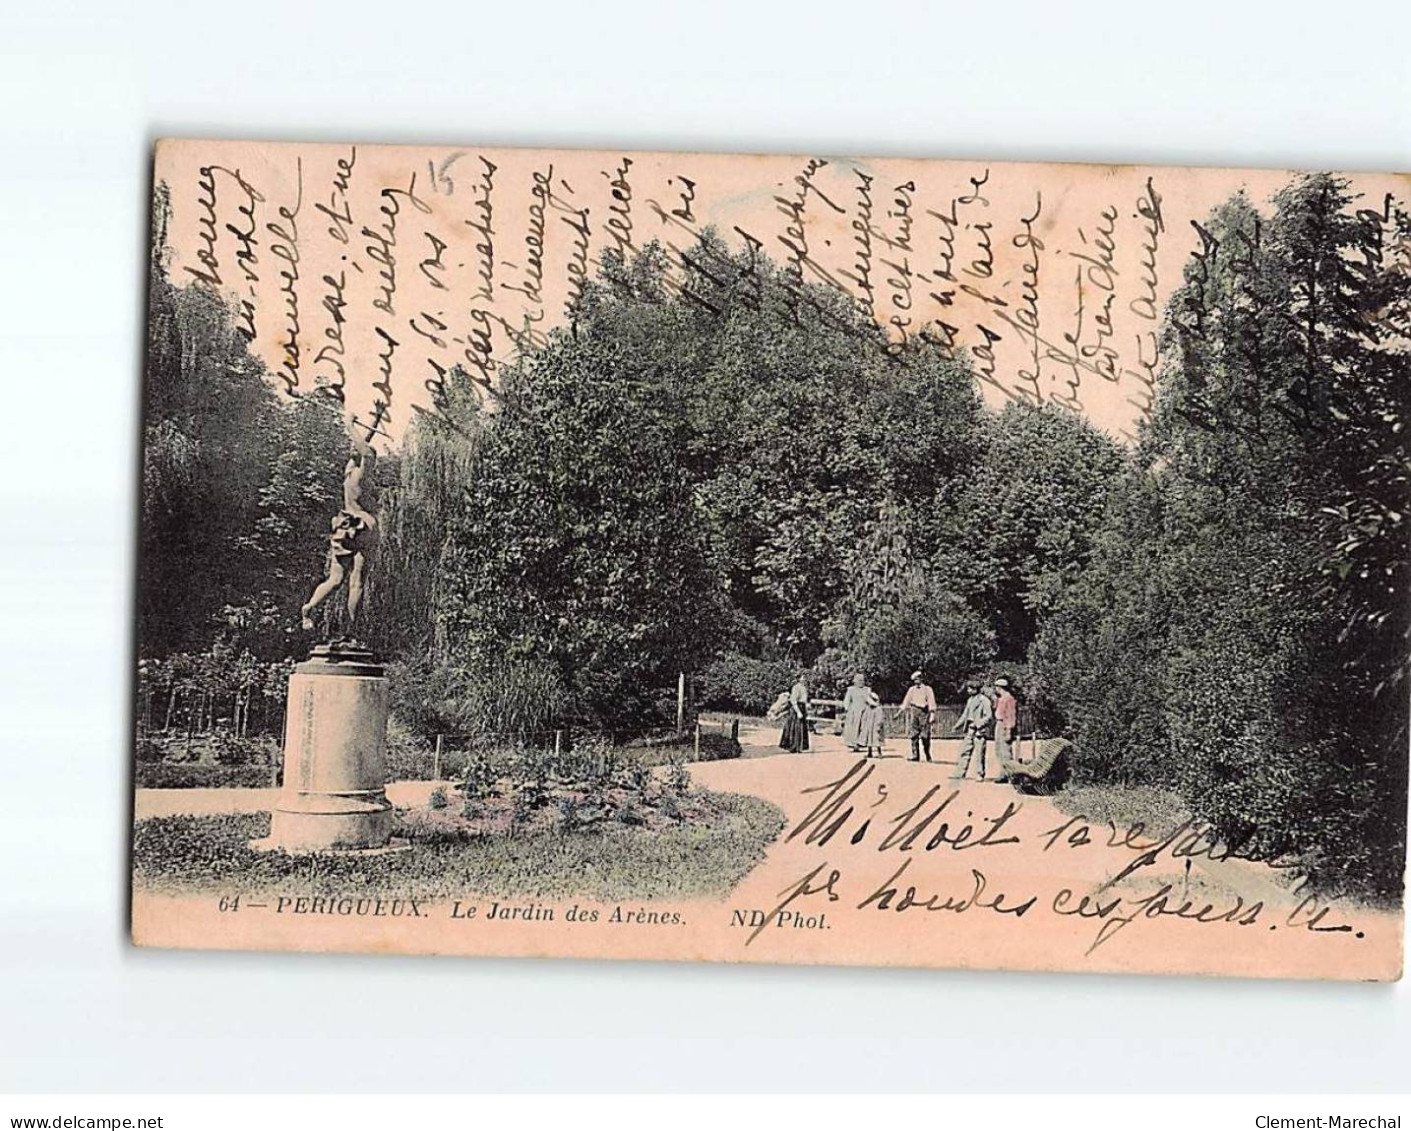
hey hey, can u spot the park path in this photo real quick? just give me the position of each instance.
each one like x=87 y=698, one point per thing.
x=1254 y=922
x=868 y=892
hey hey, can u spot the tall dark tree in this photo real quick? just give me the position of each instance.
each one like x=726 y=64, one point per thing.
x=237 y=483
x=422 y=496
x=1260 y=583
x=582 y=548
x=1030 y=511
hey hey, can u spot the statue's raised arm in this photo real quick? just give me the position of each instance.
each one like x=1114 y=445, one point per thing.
x=359 y=460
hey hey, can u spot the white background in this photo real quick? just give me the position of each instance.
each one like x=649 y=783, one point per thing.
x=85 y=90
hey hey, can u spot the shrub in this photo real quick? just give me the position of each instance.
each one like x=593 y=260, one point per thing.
x=718 y=747
x=1196 y=654
x=149 y=749
x=923 y=626
x=438 y=799
x=628 y=813
x=639 y=777
x=220 y=747
x=504 y=703
x=714 y=747
x=408 y=757
x=737 y=682
x=832 y=672
x=578 y=813
x=196 y=775
x=1101 y=659
x=230 y=750
x=525 y=797
x=678 y=778
x=480 y=774
x=580 y=564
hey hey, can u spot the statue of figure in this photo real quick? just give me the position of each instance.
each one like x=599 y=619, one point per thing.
x=349 y=539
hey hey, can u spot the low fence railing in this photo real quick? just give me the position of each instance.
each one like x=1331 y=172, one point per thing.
x=450 y=751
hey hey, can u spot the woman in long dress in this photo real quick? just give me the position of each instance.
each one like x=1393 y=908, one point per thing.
x=854 y=703
x=795 y=736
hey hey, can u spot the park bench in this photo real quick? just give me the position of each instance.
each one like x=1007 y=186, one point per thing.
x=832 y=722
x=1046 y=771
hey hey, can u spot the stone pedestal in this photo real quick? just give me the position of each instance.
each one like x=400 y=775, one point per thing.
x=335 y=751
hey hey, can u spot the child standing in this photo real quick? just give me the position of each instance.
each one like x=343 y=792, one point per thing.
x=870 y=728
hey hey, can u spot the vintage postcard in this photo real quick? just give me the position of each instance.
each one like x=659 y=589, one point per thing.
x=774 y=559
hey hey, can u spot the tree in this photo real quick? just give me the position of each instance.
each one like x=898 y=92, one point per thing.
x=422 y=496
x=924 y=626
x=799 y=420
x=1101 y=656
x=582 y=548
x=238 y=483
x=1250 y=568
x=1032 y=507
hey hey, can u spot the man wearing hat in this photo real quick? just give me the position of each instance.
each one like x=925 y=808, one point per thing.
x=975 y=724
x=919 y=705
x=1006 y=726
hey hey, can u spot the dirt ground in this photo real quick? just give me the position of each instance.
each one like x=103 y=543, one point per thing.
x=891 y=863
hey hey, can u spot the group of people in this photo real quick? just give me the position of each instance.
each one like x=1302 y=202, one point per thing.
x=991 y=712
